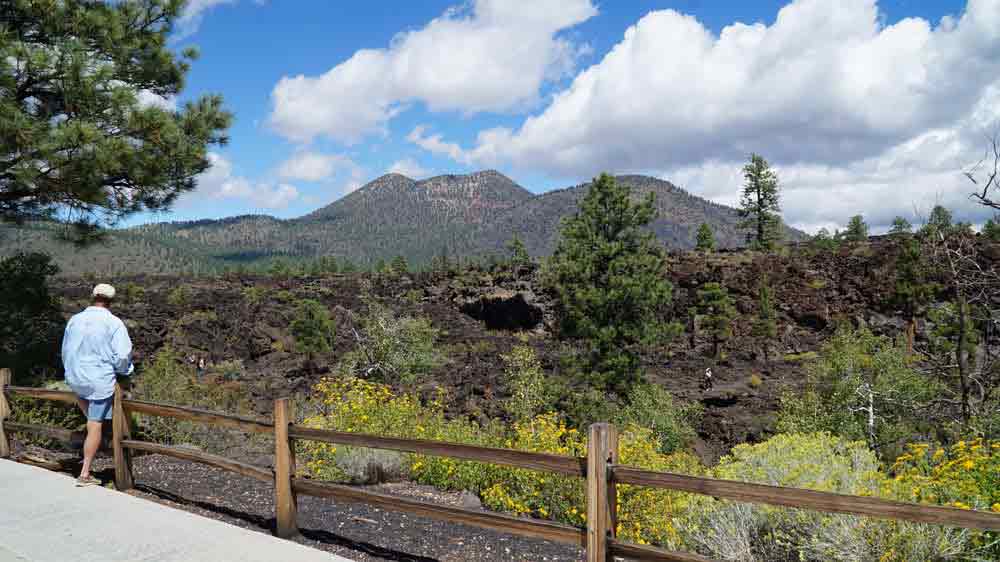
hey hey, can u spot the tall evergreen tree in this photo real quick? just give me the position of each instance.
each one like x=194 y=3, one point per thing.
x=608 y=274
x=765 y=326
x=399 y=265
x=857 y=229
x=759 y=205
x=900 y=227
x=939 y=221
x=716 y=308
x=518 y=252
x=913 y=287
x=706 y=238
x=991 y=230
x=78 y=144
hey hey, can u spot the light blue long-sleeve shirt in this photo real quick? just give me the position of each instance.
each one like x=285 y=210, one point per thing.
x=95 y=348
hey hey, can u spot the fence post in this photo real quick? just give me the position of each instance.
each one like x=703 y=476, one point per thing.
x=5 y=378
x=120 y=431
x=602 y=501
x=284 y=468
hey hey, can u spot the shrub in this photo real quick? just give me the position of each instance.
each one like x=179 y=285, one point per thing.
x=817 y=461
x=25 y=409
x=529 y=393
x=171 y=380
x=253 y=295
x=31 y=322
x=966 y=476
x=801 y=357
x=862 y=387
x=651 y=406
x=817 y=284
x=312 y=328
x=179 y=297
x=646 y=515
x=394 y=349
x=133 y=293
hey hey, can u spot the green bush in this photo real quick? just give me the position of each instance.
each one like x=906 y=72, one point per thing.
x=312 y=328
x=171 y=380
x=392 y=348
x=739 y=531
x=179 y=297
x=651 y=406
x=862 y=387
x=350 y=404
x=25 y=409
x=31 y=321
x=530 y=395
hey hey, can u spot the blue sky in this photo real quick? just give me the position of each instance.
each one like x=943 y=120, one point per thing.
x=862 y=106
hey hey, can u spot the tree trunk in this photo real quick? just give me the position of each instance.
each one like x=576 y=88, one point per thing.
x=963 y=357
x=871 y=417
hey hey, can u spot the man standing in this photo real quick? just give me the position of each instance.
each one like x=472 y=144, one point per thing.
x=96 y=348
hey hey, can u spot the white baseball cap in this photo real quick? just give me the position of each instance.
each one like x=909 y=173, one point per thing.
x=104 y=290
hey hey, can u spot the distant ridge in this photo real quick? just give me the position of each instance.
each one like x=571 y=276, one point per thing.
x=458 y=214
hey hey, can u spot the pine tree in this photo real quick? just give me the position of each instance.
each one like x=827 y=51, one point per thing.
x=759 y=205
x=706 y=239
x=913 y=287
x=399 y=266
x=939 y=221
x=900 y=227
x=608 y=274
x=765 y=326
x=717 y=309
x=312 y=329
x=78 y=144
x=857 y=229
x=518 y=252
x=991 y=230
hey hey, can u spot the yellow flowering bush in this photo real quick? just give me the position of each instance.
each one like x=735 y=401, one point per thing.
x=646 y=515
x=965 y=475
x=817 y=461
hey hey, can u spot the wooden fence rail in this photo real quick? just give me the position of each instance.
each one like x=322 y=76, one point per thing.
x=600 y=470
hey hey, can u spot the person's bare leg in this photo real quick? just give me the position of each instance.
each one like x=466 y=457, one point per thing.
x=90 y=446
x=83 y=405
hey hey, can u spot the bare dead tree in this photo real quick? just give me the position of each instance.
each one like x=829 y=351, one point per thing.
x=985 y=175
x=973 y=277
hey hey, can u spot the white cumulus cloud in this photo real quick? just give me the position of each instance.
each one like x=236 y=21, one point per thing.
x=308 y=165
x=220 y=183
x=492 y=55
x=409 y=168
x=856 y=114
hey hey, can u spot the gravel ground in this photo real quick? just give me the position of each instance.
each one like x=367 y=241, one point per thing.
x=356 y=531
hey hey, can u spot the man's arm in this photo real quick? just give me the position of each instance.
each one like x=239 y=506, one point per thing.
x=121 y=351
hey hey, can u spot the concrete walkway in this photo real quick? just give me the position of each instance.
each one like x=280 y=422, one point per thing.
x=45 y=518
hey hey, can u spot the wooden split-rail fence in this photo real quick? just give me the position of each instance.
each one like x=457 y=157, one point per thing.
x=600 y=469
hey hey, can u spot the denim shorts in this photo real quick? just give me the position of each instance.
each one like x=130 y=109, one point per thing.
x=100 y=410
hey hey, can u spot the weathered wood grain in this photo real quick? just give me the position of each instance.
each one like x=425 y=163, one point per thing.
x=121 y=432
x=286 y=505
x=560 y=464
x=640 y=552
x=809 y=499
x=198 y=415
x=194 y=455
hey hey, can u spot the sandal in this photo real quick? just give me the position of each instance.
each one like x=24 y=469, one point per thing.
x=88 y=481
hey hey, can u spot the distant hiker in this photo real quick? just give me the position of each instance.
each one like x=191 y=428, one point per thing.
x=201 y=368
x=95 y=349
x=706 y=384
